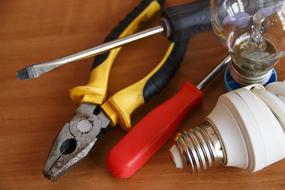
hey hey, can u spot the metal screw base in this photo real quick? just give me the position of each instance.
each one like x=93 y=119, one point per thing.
x=245 y=80
x=200 y=148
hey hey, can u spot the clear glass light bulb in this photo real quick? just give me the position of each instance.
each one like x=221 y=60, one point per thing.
x=253 y=31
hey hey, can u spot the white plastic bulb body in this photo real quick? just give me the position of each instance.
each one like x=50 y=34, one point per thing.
x=253 y=31
x=246 y=130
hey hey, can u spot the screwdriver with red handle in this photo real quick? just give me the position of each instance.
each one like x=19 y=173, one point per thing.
x=157 y=127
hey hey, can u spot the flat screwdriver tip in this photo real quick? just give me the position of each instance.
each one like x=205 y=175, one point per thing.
x=23 y=74
x=28 y=73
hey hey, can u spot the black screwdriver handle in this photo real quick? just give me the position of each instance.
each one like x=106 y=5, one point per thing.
x=182 y=21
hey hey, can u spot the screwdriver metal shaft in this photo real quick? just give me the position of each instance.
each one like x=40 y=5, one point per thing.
x=218 y=69
x=178 y=23
x=34 y=71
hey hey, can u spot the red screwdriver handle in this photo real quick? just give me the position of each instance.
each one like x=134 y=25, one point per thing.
x=152 y=132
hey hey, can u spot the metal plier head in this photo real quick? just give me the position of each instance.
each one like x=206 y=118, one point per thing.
x=75 y=140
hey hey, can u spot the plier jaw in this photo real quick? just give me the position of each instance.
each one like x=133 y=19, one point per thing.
x=75 y=140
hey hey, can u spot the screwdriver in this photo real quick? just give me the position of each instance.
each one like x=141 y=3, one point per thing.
x=178 y=23
x=154 y=130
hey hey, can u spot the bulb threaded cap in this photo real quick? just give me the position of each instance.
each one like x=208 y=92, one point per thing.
x=197 y=149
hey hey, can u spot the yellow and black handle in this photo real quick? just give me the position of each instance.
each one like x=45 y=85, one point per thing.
x=96 y=89
x=121 y=106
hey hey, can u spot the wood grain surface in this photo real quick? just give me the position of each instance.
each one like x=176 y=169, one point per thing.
x=32 y=112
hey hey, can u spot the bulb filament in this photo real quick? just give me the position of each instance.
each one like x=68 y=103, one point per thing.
x=258 y=31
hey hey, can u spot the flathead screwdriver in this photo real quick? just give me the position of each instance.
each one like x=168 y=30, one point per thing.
x=157 y=127
x=177 y=23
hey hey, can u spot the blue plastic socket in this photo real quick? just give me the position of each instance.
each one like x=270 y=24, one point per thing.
x=230 y=84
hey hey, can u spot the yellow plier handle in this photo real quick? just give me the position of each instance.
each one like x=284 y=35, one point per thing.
x=121 y=106
x=96 y=89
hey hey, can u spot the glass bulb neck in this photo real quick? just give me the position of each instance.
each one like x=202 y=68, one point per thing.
x=252 y=54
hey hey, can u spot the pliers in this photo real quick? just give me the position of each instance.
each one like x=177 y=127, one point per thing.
x=95 y=113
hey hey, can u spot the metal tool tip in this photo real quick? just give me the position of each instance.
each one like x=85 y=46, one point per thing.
x=49 y=176
x=23 y=74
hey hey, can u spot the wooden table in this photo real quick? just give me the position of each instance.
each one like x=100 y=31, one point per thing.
x=32 y=112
